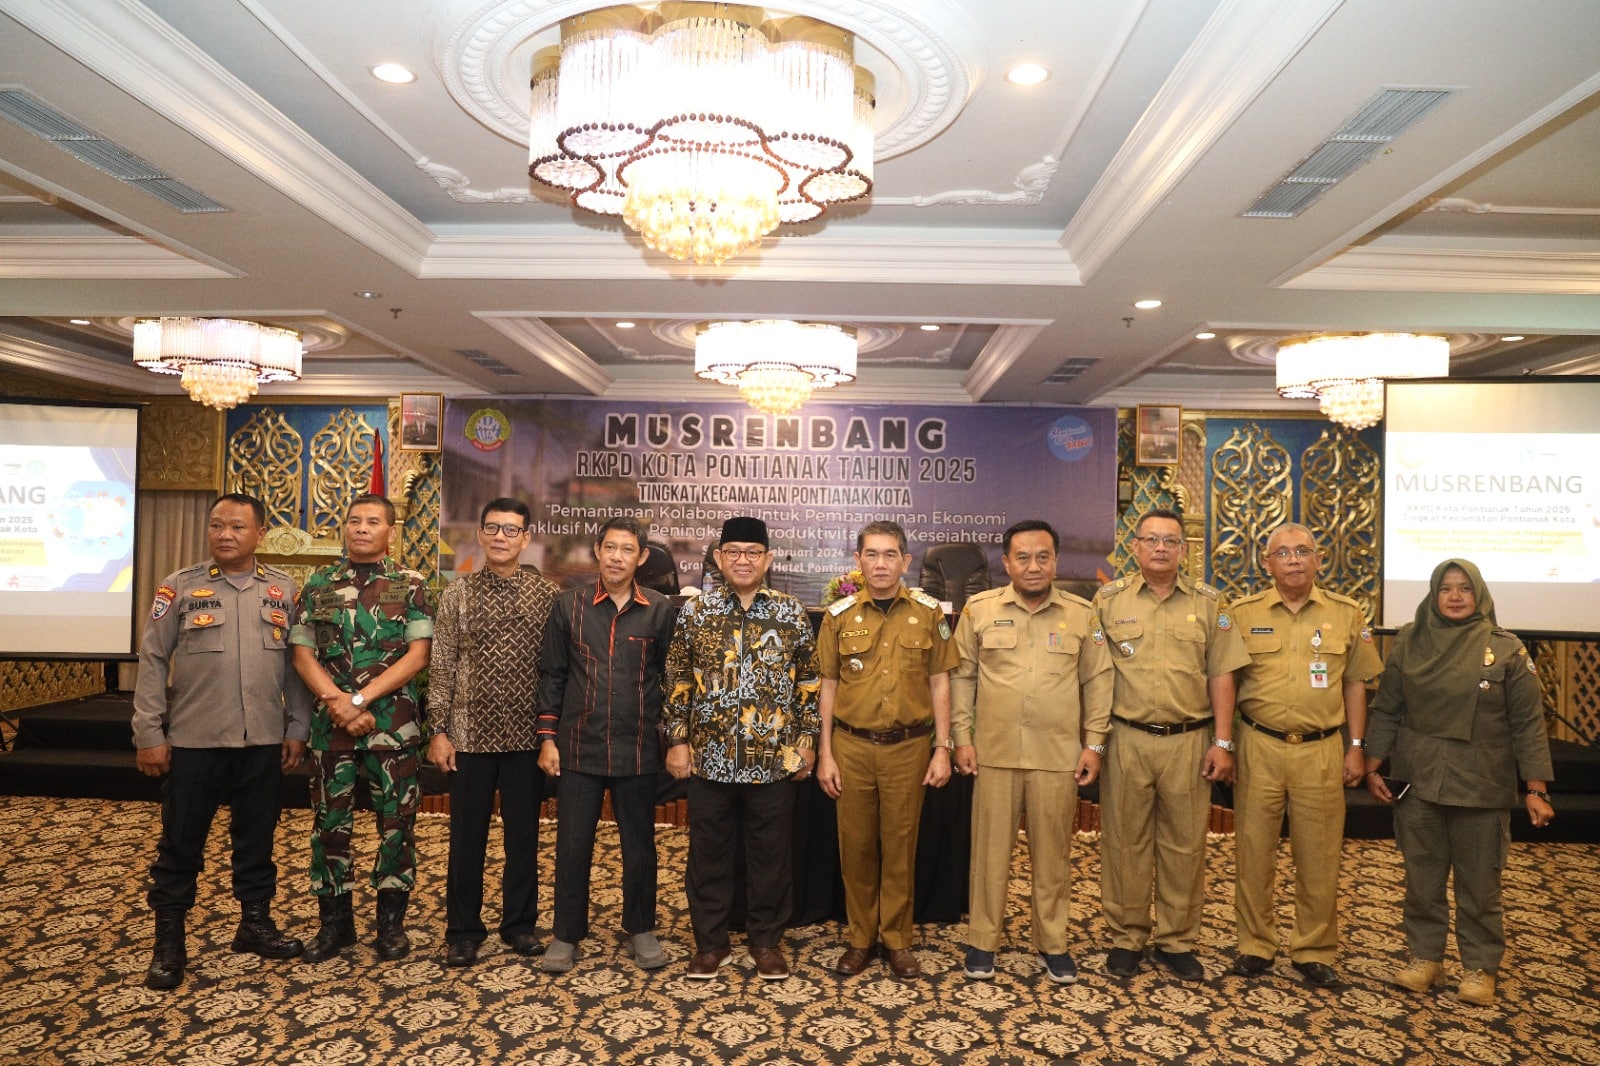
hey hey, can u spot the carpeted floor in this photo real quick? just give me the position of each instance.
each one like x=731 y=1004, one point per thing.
x=77 y=939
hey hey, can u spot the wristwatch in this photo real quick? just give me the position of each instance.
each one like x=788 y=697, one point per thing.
x=948 y=743
x=358 y=701
x=1098 y=749
x=1225 y=745
x=1357 y=742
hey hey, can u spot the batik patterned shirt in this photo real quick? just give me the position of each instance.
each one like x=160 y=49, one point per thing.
x=743 y=686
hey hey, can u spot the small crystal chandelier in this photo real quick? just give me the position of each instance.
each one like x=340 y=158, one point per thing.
x=703 y=125
x=1346 y=371
x=775 y=364
x=220 y=361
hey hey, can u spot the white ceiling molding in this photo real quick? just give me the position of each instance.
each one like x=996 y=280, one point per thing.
x=1031 y=183
x=1243 y=47
x=1412 y=269
x=1009 y=343
x=99 y=257
x=127 y=44
x=857 y=392
x=52 y=360
x=550 y=348
x=898 y=261
x=1460 y=205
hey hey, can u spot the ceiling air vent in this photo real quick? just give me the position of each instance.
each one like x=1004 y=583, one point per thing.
x=1364 y=134
x=1068 y=370
x=108 y=157
x=479 y=357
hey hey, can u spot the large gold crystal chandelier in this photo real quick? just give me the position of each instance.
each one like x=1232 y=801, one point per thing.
x=1346 y=371
x=703 y=125
x=221 y=361
x=775 y=364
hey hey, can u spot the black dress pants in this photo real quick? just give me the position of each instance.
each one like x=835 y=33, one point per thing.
x=578 y=802
x=520 y=782
x=721 y=818
x=199 y=781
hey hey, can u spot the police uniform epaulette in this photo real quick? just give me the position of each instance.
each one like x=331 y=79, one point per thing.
x=844 y=604
x=269 y=569
x=926 y=600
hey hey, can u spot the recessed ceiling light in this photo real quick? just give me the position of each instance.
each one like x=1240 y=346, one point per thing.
x=393 y=73
x=1027 y=74
x=1514 y=337
x=624 y=325
x=80 y=321
x=367 y=294
x=1205 y=335
x=1147 y=305
x=929 y=327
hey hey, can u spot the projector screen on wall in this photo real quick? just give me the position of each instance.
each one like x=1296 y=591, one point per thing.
x=1505 y=473
x=67 y=478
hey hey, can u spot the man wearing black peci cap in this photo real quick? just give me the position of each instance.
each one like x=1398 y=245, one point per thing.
x=741 y=724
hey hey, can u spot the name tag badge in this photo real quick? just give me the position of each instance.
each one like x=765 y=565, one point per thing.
x=1319 y=674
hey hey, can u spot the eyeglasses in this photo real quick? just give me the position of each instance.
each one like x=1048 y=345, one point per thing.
x=1298 y=553
x=735 y=554
x=491 y=529
x=1153 y=541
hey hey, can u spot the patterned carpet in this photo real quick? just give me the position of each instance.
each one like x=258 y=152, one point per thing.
x=77 y=940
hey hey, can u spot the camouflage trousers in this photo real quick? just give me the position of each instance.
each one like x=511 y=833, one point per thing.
x=392 y=785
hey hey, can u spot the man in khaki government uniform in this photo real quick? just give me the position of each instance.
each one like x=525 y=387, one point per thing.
x=1175 y=649
x=885 y=656
x=1030 y=708
x=1310 y=652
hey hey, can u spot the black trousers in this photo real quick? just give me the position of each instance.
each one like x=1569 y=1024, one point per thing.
x=520 y=782
x=198 y=782
x=721 y=818
x=578 y=801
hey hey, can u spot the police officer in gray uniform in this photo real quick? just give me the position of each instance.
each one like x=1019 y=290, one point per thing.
x=219 y=711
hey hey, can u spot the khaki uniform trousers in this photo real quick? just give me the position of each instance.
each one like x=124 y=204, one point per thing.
x=999 y=795
x=1154 y=806
x=1470 y=842
x=1308 y=781
x=879 y=813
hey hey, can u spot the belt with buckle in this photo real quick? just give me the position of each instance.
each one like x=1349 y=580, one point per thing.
x=1163 y=730
x=1288 y=738
x=886 y=736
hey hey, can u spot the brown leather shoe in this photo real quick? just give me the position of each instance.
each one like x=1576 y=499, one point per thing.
x=770 y=965
x=705 y=964
x=853 y=961
x=903 y=963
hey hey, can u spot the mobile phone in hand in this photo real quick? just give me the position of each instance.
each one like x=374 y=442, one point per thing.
x=1396 y=787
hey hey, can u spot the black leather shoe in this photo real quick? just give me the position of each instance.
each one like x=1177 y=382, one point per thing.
x=1120 y=962
x=170 y=957
x=1251 y=965
x=391 y=941
x=1318 y=974
x=337 y=929
x=462 y=953
x=1183 y=964
x=258 y=934
x=525 y=943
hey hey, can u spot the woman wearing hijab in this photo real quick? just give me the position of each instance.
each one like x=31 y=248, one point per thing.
x=1460 y=714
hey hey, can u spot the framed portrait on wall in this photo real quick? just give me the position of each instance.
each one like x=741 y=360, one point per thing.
x=1157 y=434
x=421 y=421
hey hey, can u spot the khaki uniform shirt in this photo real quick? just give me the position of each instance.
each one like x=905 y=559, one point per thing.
x=1164 y=651
x=1276 y=688
x=1033 y=687
x=882 y=660
x=226 y=653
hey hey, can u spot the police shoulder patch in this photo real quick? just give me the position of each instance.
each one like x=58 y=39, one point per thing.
x=163 y=602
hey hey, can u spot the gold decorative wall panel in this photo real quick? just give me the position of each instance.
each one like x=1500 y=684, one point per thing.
x=33 y=682
x=180 y=446
x=1341 y=482
x=1251 y=494
x=264 y=460
x=341 y=469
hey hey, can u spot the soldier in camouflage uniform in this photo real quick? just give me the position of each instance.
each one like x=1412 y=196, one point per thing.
x=362 y=632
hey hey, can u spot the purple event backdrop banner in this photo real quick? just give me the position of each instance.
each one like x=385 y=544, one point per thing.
x=816 y=477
